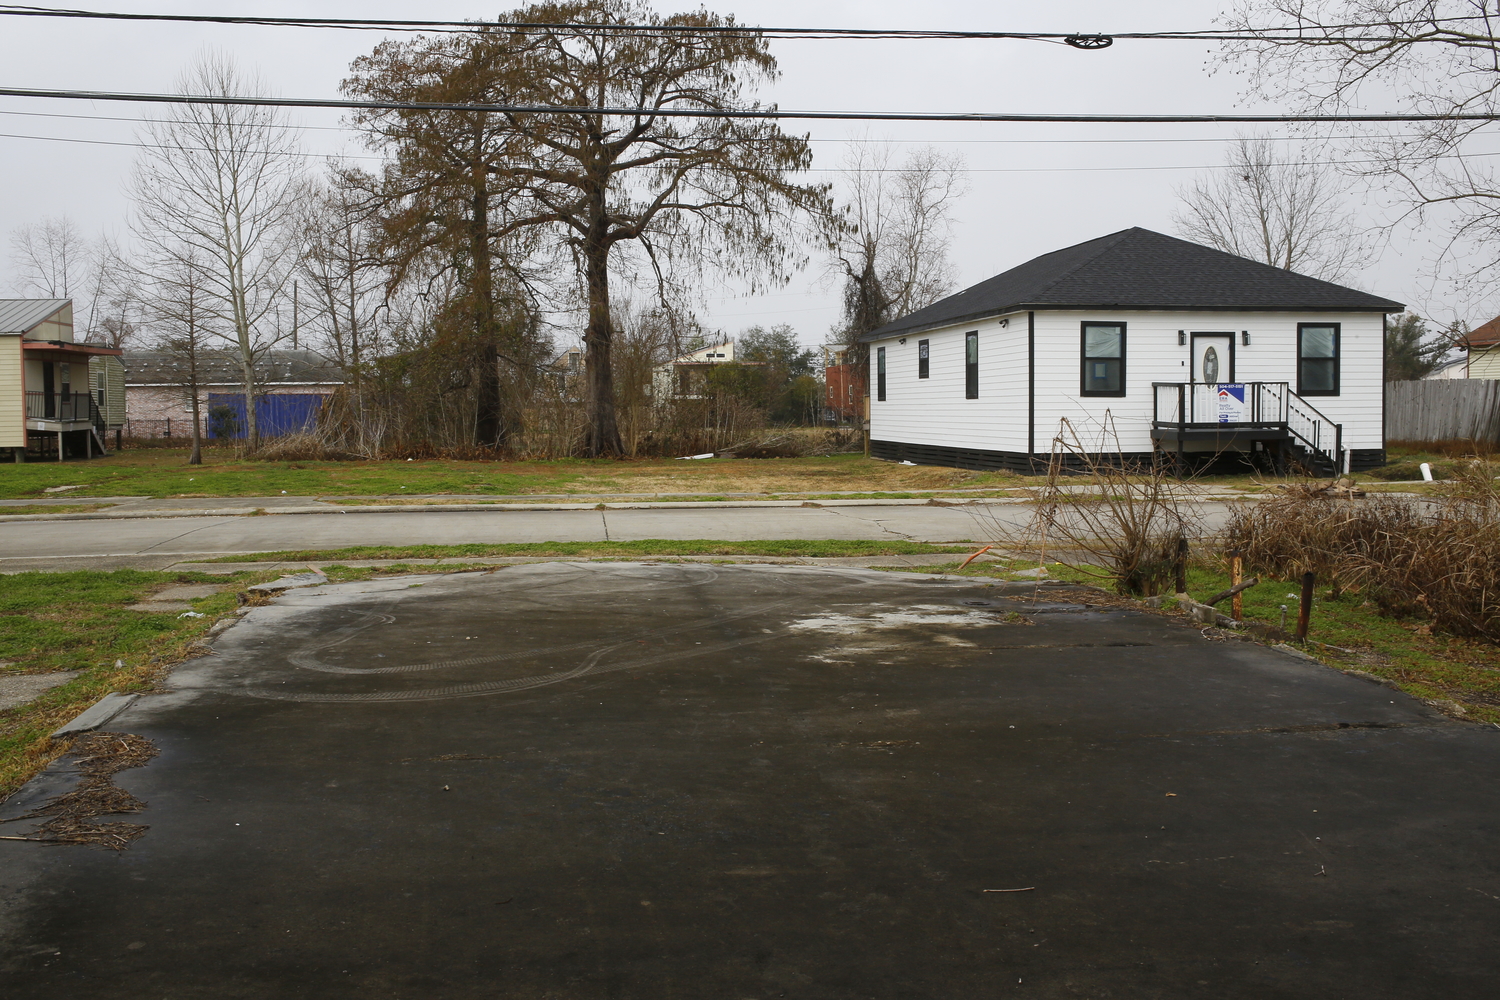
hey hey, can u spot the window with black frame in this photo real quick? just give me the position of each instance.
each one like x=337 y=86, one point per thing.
x=880 y=374
x=1103 y=359
x=922 y=356
x=971 y=365
x=1318 y=359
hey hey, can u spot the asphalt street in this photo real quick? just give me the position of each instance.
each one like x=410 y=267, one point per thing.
x=183 y=536
x=618 y=781
x=159 y=541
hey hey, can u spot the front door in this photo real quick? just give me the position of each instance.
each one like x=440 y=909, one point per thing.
x=1213 y=357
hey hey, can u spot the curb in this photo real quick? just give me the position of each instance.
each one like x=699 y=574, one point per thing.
x=496 y=507
x=97 y=714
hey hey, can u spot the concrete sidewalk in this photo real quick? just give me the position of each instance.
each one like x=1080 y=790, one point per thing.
x=643 y=782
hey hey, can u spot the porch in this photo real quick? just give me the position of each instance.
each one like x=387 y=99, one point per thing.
x=1258 y=418
x=62 y=422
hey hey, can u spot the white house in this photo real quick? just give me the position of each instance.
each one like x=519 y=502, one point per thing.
x=683 y=377
x=1183 y=349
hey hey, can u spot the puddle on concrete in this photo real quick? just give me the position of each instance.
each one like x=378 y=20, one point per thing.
x=916 y=616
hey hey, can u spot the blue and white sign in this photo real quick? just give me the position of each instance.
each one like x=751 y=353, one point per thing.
x=1231 y=402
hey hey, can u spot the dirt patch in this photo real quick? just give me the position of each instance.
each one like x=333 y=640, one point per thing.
x=74 y=815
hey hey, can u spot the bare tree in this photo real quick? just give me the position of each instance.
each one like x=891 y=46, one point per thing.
x=49 y=257
x=1435 y=57
x=889 y=239
x=222 y=185
x=177 y=305
x=1287 y=214
x=346 y=283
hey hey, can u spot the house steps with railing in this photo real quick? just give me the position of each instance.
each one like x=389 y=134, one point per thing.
x=66 y=412
x=1194 y=418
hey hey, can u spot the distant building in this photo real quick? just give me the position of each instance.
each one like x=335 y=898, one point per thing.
x=685 y=377
x=1453 y=369
x=845 y=387
x=293 y=387
x=1483 y=343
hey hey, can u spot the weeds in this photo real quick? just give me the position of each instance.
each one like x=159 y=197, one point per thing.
x=1104 y=517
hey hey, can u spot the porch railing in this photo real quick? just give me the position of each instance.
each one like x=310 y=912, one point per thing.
x=69 y=407
x=1197 y=405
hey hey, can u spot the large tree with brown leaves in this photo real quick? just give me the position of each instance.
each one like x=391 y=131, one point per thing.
x=633 y=192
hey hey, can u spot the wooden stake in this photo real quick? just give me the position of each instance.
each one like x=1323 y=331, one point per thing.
x=1236 y=573
x=1304 y=613
x=1182 y=558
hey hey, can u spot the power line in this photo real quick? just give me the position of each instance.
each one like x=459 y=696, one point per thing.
x=742 y=113
x=846 y=141
x=1079 y=40
x=814 y=170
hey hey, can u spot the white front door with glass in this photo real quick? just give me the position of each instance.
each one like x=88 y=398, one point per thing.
x=1213 y=357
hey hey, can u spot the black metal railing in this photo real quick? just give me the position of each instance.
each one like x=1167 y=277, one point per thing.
x=64 y=407
x=1197 y=405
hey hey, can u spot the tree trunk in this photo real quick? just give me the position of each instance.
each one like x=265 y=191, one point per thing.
x=252 y=428
x=196 y=458
x=603 y=434
x=490 y=430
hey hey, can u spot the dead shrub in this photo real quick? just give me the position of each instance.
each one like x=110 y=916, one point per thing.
x=1436 y=559
x=1105 y=515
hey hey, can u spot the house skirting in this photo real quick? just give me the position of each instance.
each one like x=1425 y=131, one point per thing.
x=1360 y=459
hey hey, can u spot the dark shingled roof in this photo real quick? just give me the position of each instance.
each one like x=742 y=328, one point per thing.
x=222 y=368
x=1138 y=269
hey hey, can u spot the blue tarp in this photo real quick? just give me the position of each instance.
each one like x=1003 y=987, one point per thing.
x=275 y=414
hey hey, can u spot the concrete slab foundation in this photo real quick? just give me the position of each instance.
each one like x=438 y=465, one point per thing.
x=592 y=781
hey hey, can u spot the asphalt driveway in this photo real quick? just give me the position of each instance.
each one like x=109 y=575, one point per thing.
x=581 y=781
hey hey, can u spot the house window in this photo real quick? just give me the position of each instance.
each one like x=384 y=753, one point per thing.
x=1103 y=359
x=971 y=365
x=880 y=374
x=1317 y=359
x=922 y=355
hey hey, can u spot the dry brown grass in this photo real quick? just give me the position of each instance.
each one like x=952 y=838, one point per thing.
x=1436 y=559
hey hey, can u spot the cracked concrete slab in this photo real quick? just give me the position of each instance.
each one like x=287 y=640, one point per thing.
x=637 y=781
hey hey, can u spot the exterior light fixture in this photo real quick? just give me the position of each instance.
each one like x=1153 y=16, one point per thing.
x=1004 y=323
x=902 y=340
x=1181 y=338
x=1245 y=337
x=1089 y=41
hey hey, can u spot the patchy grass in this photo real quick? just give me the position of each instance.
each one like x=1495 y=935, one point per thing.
x=80 y=621
x=61 y=508
x=647 y=547
x=1346 y=632
x=160 y=472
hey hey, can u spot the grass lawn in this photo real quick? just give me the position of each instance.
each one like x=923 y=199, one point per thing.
x=80 y=621
x=1346 y=632
x=159 y=472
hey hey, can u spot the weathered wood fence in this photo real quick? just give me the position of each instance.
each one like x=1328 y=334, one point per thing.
x=1443 y=410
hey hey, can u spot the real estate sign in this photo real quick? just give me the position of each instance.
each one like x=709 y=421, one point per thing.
x=1231 y=402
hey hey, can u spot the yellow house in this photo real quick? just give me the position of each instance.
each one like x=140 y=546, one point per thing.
x=49 y=405
x=1483 y=343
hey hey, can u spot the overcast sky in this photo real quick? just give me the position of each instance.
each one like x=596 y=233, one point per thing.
x=1033 y=188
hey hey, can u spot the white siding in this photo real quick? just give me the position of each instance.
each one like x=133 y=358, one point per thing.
x=935 y=412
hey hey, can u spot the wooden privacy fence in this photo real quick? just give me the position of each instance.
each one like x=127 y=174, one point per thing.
x=1443 y=410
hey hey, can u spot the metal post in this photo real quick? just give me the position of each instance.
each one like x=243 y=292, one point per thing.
x=1304 y=613
x=59 y=446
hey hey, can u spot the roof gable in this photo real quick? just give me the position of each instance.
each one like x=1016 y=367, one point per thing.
x=24 y=315
x=1138 y=269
